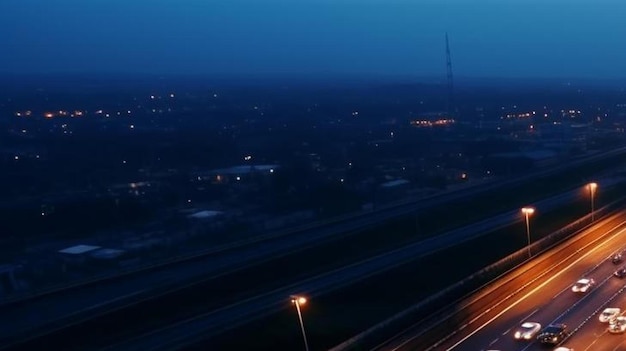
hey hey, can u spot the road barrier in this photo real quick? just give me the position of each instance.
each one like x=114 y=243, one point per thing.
x=437 y=305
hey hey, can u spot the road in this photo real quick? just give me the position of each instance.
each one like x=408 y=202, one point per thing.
x=217 y=321
x=85 y=301
x=552 y=301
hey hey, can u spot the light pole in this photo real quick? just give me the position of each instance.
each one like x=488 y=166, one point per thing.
x=592 y=191
x=298 y=301
x=527 y=211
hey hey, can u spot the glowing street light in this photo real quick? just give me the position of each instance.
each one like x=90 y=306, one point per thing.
x=592 y=191
x=299 y=301
x=527 y=211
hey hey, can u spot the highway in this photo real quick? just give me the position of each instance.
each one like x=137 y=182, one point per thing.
x=53 y=307
x=84 y=301
x=75 y=304
x=212 y=320
x=212 y=323
x=550 y=301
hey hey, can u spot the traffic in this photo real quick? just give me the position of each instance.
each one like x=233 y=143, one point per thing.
x=579 y=305
x=555 y=334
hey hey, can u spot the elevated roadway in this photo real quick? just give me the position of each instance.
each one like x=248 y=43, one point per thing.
x=83 y=301
x=215 y=321
x=53 y=306
x=548 y=300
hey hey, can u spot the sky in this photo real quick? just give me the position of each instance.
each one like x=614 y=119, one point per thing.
x=488 y=38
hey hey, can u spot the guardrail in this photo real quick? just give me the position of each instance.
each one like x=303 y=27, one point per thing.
x=456 y=293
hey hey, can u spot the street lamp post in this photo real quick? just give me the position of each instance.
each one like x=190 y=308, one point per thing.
x=592 y=192
x=298 y=301
x=527 y=211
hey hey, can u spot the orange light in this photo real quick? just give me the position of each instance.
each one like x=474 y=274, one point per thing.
x=298 y=299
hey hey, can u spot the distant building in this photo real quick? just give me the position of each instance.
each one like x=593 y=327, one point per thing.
x=392 y=190
x=78 y=255
x=434 y=119
x=8 y=281
x=236 y=173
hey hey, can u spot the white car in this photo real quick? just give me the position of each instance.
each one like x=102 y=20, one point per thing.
x=608 y=314
x=561 y=348
x=527 y=331
x=583 y=285
x=617 y=325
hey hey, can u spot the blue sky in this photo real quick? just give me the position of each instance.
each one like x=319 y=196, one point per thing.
x=489 y=38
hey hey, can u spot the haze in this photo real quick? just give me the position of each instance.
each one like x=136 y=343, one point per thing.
x=507 y=38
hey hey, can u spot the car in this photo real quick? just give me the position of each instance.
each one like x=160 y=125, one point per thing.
x=553 y=334
x=620 y=273
x=527 y=331
x=583 y=285
x=608 y=314
x=617 y=258
x=561 y=348
x=617 y=325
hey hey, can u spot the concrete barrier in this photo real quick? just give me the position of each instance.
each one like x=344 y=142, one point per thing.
x=460 y=290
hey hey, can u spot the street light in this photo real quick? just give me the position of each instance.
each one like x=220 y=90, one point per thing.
x=592 y=191
x=298 y=301
x=527 y=211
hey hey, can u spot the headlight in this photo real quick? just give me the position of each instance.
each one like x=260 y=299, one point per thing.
x=527 y=336
x=517 y=335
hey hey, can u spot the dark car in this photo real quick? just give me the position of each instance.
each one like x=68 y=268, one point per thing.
x=620 y=273
x=553 y=334
x=617 y=258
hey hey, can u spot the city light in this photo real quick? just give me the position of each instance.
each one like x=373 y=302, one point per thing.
x=528 y=211
x=299 y=301
x=592 y=191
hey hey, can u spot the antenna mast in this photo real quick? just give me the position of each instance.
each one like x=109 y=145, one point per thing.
x=450 y=102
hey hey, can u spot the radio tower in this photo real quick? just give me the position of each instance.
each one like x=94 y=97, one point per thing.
x=450 y=101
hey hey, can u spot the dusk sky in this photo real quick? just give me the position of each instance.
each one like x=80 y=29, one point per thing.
x=496 y=38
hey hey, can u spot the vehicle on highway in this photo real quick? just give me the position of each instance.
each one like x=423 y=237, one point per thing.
x=608 y=314
x=583 y=285
x=617 y=325
x=527 y=331
x=617 y=258
x=553 y=334
x=561 y=348
x=620 y=273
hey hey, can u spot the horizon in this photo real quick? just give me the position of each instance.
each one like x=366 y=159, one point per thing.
x=130 y=79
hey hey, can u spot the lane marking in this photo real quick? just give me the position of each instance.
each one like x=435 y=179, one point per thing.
x=528 y=316
x=602 y=306
x=591 y=344
x=586 y=273
x=589 y=252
